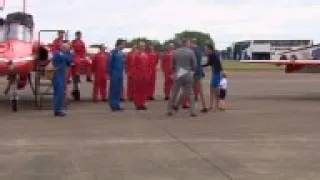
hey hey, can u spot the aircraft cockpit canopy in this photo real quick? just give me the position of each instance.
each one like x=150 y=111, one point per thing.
x=17 y=26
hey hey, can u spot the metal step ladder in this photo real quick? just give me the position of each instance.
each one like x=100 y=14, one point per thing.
x=43 y=86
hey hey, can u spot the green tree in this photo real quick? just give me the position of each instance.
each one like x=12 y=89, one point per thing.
x=169 y=41
x=158 y=45
x=137 y=40
x=201 y=37
x=95 y=45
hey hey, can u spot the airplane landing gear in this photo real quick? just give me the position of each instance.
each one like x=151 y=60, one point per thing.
x=76 y=90
x=14 y=96
x=76 y=95
x=14 y=103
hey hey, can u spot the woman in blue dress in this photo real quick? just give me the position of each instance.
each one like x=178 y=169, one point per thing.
x=217 y=70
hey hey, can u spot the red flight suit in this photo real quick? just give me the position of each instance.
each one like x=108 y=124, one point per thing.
x=141 y=72
x=56 y=44
x=197 y=91
x=166 y=65
x=129 y=65
x=153 y=58
x=99 y=67
x=79 y=48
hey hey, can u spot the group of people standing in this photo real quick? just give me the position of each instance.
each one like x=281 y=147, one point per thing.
x=181 y=67
x=188 y=74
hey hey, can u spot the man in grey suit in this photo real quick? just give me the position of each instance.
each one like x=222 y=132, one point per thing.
x=184 y=65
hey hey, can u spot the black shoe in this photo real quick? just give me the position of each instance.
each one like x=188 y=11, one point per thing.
x=166 y=99
x=142 y=108
x=122 y=100
x=76 y=95
x=89 y=79
x=204 y=110
x=117 y=109
x=193 y=115
x=175 y=108
x=60 y=114
x=151 y=98
x=185 y=107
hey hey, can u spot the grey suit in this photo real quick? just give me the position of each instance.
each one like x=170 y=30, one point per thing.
x=186 y=59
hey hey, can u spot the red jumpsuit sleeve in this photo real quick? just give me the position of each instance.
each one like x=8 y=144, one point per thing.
x=73 y=45
x=135 y=64
x=170 y=70
x=151 y=67
x=94 y=62
x=83 y=50
x=55 y=45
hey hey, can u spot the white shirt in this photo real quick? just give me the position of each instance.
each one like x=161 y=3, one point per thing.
x=223 y=83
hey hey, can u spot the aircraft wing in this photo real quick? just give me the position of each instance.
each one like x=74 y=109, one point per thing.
x=284 y=62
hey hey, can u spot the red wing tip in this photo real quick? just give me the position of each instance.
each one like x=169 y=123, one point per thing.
x=306 y=62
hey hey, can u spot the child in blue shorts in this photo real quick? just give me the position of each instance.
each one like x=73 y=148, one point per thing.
x=223 y=91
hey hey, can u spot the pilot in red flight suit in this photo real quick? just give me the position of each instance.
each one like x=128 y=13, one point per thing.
x=99 y=67
x=153 y=58
x=128 y=67
x=79 y=49
x=56 y=44
x=141 y=72
x=166 y=65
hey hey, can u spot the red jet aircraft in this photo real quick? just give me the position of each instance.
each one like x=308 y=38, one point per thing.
x=19 y=54
x=292 y=66
x=302 y=60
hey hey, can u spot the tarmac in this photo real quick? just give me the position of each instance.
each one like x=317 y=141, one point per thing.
x=270 y=131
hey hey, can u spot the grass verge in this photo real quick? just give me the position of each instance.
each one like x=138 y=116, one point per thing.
x=231 y=65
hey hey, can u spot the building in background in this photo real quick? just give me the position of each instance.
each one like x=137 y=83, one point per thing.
x=265 y=49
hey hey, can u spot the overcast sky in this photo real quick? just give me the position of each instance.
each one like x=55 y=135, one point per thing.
x=225 y=20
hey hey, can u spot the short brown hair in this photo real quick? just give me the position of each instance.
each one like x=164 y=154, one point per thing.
x=119 y=42
x=185 y=40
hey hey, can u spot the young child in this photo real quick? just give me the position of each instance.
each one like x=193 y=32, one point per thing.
x=223 y=91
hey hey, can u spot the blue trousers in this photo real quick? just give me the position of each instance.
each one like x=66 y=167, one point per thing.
x=116 y=85
x=58 y=94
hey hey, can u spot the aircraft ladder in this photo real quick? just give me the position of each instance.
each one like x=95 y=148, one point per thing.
x=43 y=85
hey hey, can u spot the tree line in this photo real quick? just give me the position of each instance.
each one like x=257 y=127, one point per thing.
x=202 y=38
